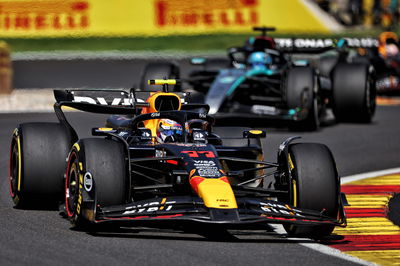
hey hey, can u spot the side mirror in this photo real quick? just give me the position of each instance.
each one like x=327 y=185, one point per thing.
x=198 y=61
x=254 y=134
x=103 y=131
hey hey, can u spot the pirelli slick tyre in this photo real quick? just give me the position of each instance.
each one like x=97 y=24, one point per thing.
x=37 y=164
x=159 y=70
x=314 y=185
x=354 y=93
x=300 y=85
x=99 y=165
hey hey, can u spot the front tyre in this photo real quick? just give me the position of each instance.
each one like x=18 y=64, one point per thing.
x=314 y=185
x=301 y=93
x=105 y=161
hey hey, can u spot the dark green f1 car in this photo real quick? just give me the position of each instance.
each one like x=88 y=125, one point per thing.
x=276 y=84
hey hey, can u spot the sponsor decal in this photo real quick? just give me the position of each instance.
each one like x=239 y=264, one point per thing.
x=80 y=197
x=123 y=134
x=101 y=100
x=324 y=43
x=40 y=16
x=199 y=136
x=207 y=168
x=196 y=145
x=154 y=206
x=279 y=208
x=203 y=13
x=161 y=153
x=88 y=181
x=263 y=109
x=196 y=154
x=227 y=79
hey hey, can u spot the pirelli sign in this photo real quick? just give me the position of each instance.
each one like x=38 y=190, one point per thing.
x=82 y=18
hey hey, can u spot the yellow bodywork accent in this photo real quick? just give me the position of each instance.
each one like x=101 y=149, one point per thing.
x=77 y=147
x=162 y=81
x=80 y=166
x=162 y=203
x=19 y=163
x=256 y=132
x=152 y=124
x=217 y=193
x=152 y=101
x=105 y=128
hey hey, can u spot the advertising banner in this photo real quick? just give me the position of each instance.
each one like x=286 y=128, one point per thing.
x=88 y=18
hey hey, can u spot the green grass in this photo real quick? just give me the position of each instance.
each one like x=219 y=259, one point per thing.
x=182 y=43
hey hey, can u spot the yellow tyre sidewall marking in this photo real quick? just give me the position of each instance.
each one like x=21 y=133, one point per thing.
x=290 y=162
x=77 y=147
x=294 y=187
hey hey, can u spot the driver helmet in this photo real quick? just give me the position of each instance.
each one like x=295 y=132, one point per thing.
x=392 y=50
x=169 y=131
x=259 y=60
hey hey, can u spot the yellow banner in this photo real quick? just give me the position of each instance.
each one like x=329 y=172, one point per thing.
x=84 y=18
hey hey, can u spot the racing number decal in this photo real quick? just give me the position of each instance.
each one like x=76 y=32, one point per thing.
x=196 y=154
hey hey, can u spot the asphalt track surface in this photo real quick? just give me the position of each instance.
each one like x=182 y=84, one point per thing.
x=41 y=237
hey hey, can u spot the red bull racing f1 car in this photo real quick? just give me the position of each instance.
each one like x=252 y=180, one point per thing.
x=159 y=160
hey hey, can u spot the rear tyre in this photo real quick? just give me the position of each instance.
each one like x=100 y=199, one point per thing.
x=37 y=164
x=327 y=64
x=314 y=185
x=354 y=93
x=300 y=93
x=159 y=70
x=105 y=161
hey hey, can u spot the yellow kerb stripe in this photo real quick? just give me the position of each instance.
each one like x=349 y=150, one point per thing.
x=367 y=201
x=380 y=257
x=368 y=226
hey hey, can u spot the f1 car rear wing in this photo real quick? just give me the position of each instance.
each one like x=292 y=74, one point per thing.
x=319 y=45
x=108 y=97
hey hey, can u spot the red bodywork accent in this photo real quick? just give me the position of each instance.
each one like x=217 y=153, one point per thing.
x=195 y=182
x=172 y=162
x=144 y=217
x=196 y=154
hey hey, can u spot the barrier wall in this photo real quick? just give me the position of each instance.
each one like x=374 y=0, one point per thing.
x=55 y=18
